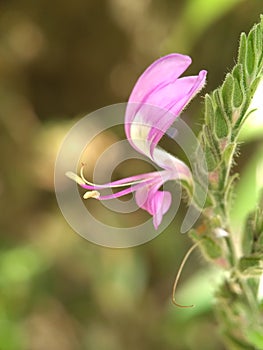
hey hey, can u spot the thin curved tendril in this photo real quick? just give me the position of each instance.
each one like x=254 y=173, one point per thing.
x=179 y=274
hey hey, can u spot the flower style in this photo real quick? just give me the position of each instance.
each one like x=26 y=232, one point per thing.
x=157 y=99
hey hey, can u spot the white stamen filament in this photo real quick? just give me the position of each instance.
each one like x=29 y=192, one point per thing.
x=75 y=178
x=112 y=186
x=81 y=180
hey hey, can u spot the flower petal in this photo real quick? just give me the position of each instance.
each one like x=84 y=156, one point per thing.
x=163 y=71
x=157 y=100
x=177 y=169
x=173 y=98
x=169 y=67
x=157 y=203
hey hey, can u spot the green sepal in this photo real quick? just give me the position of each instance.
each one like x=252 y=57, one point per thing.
x=235 y=317
x=227 y=92
x=230 y=188
x=254 y=51
x=258 y=231
x=252 y=242
x=250 y=60
x=259 y=42
x=210 y=247
x=260 y=243
x=200 y=194
x=210 y=159
x=243 y=116
x=254 y=54
x=254 y=87
x=209 y=108
x=248 y=237
x=238 y=74
x=229 y=152
x=212 y=142
x=242 y=51
x=238 y=95
x=221 y=126
x=210 y=147
x=251 y=265
x=219 y=103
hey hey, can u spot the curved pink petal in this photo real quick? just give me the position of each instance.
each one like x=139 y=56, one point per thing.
x=173 y=98
x=175 y=95
x=161 y=202
x=160 y=73
x=155 y=76
x=157 y=203
x=160 y=87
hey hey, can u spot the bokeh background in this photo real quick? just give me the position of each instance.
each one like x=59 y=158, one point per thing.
x=60 y=60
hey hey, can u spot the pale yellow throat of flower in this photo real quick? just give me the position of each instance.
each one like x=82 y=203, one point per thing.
x=139 y=133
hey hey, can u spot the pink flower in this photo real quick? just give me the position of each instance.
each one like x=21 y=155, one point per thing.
x=157 y=99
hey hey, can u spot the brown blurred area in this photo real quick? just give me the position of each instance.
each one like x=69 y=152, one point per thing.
x=60 y=60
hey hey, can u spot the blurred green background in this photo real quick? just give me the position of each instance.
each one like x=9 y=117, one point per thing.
x=60 y=60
